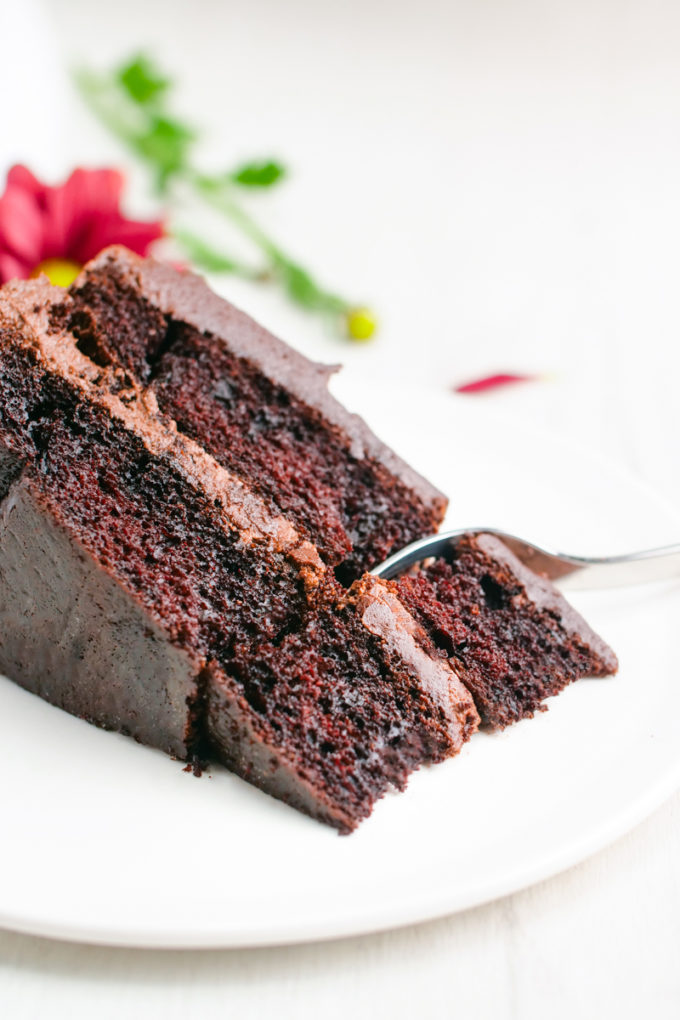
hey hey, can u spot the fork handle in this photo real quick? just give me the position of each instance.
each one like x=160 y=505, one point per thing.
x=574 y=572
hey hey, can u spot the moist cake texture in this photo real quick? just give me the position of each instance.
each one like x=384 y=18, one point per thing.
x=357 y=697
x=258 y=407
x=147 y=588
x=511 y=636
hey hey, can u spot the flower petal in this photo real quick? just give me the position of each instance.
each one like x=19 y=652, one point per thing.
x=101 y=189
x=87 y=196
x=56 y=223
x=21 y=226
x=135 y=235
x=12 y=268
x=21 y=177
x=73 y=221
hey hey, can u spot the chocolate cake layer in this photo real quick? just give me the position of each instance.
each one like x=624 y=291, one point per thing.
x=262 y=410
x=511 y=636
x=148 y=589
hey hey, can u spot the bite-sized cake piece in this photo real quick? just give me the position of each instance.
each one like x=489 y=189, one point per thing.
x=260 y=408
x=511 y=636
x=148 y=589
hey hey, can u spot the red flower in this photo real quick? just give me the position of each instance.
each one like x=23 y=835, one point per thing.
x=57 y=229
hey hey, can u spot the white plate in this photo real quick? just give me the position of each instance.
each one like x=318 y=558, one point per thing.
x=107 y=841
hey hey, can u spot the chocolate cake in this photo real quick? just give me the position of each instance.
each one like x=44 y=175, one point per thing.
x=510 y=635
x=148 y=588
x=261 y=409
x=186 y=518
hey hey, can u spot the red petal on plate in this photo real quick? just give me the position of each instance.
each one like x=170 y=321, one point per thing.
x=493 y=382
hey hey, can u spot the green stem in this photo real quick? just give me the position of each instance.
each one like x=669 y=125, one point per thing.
x=205 y=257
x=301 y=286
x=219 y=196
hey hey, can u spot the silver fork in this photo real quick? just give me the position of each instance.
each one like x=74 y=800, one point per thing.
x=570 y=571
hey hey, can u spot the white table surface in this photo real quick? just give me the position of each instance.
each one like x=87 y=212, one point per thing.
x=501 y=181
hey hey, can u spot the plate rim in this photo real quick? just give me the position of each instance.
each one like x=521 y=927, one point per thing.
x=312 y=932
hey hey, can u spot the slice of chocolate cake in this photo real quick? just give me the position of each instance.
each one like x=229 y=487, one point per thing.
x=180 y=500
x=510 y=635
x=261 y=409
x=149 y=589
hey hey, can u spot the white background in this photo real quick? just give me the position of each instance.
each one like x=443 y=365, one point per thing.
x=501 y=181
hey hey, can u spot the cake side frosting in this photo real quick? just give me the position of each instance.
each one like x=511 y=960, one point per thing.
x=73 y=636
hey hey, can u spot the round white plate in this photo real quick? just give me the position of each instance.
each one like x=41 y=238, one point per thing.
x=106 y=841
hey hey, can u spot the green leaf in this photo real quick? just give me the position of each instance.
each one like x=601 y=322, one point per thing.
x=259 y=174
x=142 y=81
x=300 y=285
x=305 y=291
x=165 y=144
